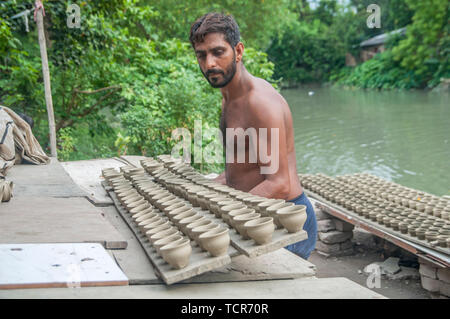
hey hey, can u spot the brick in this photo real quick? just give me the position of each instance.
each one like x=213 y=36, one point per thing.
x=424 y=261
x=320 y=215
x=429 y=284
x=346 y=245
x=325 y=225
x=335 y=237
x=343 y=226
x=443 y=274
x=444 y=288
x=320 y=246
x=428 y=271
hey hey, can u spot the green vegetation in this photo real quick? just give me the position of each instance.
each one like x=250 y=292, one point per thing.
x=418 y=60
x=124 y=80
x=118 y=83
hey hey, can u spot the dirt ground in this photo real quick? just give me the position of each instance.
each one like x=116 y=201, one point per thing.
x=369 y=249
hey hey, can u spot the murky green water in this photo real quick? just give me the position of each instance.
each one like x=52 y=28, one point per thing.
x=403 y=137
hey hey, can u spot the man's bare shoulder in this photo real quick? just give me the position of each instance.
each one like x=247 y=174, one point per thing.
x=265 y=101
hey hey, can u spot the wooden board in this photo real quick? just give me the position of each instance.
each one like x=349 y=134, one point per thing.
x=280 y=238
x=327 y=206
x=56 y=220
x=87 y=175
x=43 y=180
x=57 y=265
x=200 y=261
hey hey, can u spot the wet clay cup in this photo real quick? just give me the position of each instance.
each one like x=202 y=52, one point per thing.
x=213 y=207
x=171 y=214
x=143 y=212
x=155 y=224
x=158 y=229
x=272 y=212
x=197 y=231
x=166 y=240
x=177 y=254
x=159 y=203
x=136 y=204
x=197 y=223
x=148 y=221
x=169 y=203
x=186 y=221
x=130 y=199
x=240 y=220
x=162 y=234
x=218 y=206
x=237 y=212
x=145 y=217
x=224 y=210
x=292 y=217
x=262 y=207
x=255 y=201
x=140 y=208
x=216 y=241
x=177 y=218
x=174 y=206
x=260 y=229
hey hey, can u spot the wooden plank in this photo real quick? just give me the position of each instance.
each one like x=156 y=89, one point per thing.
x=57 y=265
x=352 y=217
x=200 y=261
x=56 y=220
x=87 y=175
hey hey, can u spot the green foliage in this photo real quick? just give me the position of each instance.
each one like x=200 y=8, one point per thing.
x=66 y=143
x=425 y=50
x=119 y=78
x=418 y=60
x=257 y=19
x=306 y=53
x=380 y=72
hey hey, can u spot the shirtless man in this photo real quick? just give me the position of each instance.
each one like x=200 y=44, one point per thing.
x=251 y=102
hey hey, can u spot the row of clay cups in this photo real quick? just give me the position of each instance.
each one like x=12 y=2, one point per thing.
x=248 y=223
x=167 y=240
x=222 y=205
x=182 y=215
x=209 y=235
x=261 y=229
x=110 y=173
x=292 y=219
x=394 y=221
x=129 y=169
x=346 y=200
x=211 y=201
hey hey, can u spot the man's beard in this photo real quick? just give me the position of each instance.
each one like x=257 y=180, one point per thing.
x=227 y=75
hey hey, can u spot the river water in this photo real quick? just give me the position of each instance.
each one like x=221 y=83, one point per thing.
x=403 y=137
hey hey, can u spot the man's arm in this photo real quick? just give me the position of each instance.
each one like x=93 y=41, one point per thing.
x=221 y=179
x=277 y=180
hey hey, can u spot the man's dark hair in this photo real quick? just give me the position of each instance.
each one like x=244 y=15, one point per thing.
x=215 y=22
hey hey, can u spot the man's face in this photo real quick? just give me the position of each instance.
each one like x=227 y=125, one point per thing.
x=217 y=60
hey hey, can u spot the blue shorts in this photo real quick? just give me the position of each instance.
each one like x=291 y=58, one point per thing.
x=305 y=247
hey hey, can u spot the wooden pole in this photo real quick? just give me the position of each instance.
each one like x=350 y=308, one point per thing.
x=46 y=75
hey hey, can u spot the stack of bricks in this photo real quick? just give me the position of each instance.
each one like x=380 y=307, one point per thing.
x=334 y=235
x=434 y=279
